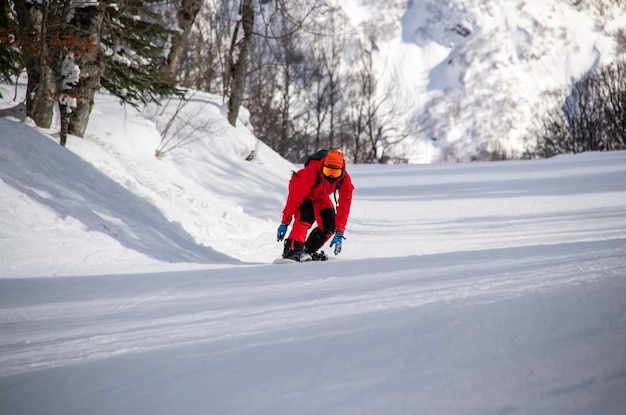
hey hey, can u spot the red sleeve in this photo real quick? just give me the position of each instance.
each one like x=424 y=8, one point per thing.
x=300 y=186
x=343 y=204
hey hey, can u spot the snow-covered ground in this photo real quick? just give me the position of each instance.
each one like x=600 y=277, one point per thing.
x=131 y=284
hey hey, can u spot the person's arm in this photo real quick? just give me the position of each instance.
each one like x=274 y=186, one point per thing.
x=343 y=204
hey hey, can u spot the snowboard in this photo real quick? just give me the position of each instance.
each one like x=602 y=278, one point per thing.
x=321 y=257
x=286 y=261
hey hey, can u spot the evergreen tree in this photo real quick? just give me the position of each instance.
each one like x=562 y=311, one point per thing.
x=120 y=44
x=133 y=42
x=10 y=59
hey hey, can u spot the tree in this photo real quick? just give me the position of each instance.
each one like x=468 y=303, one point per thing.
x=133 y=45
x=10 y=59
x=61 y=60
x=262 y=92
x=119 y=45
x=186 y=13
x=612 y=90
x=237 y=68
x=203 y=63
x=275 y=92
x=32 y=35
x=288 y=94
x=591 y=118
x=87 y=24
x=378 y=114
x=291 y=15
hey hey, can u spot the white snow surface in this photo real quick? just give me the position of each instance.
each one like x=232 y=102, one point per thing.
x=136 y=285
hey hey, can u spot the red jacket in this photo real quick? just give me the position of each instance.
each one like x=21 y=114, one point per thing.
x=303 y=186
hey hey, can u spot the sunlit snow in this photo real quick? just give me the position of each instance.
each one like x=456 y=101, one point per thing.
x=131 y=284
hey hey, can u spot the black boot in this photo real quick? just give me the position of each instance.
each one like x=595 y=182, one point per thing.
x=317 y=238
x=295 y=250
x=319 y=256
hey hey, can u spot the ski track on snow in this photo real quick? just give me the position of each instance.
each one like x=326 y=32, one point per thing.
x=210 y=306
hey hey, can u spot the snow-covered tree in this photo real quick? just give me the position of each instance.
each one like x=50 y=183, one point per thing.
x=118 y=45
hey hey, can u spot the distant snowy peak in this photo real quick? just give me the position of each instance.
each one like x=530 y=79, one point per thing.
x=444 y=22
x=530 y=28
x=378 y=24
x=480 y=69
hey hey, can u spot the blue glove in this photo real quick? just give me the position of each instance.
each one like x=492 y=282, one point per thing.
x=282 y=231
x=337 y=242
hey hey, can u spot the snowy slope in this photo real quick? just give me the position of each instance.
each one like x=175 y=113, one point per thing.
x=131 y=284
x=203 y=191
x=537 y=330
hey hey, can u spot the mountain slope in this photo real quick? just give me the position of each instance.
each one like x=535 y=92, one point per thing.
x=480 y=72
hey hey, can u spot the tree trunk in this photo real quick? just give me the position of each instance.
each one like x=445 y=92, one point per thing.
x=59 y=13
x=40 y=93
x=32 y=18
x=186 y=16
x=87 y=21
x=238 y=59
x=63 y=112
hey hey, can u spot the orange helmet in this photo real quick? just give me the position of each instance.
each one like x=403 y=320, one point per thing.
x=333 y=164
x=334 y=159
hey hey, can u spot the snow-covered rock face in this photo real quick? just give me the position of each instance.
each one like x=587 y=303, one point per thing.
x=444 y=22
x=484 y=68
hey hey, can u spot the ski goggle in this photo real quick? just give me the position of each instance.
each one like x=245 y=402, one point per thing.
x=331 y=172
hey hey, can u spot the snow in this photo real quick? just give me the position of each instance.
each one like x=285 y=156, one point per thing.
x=481 y=72
x=135 y=284
x=70 y=72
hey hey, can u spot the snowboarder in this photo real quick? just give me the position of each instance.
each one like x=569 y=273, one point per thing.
x=309 y=201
